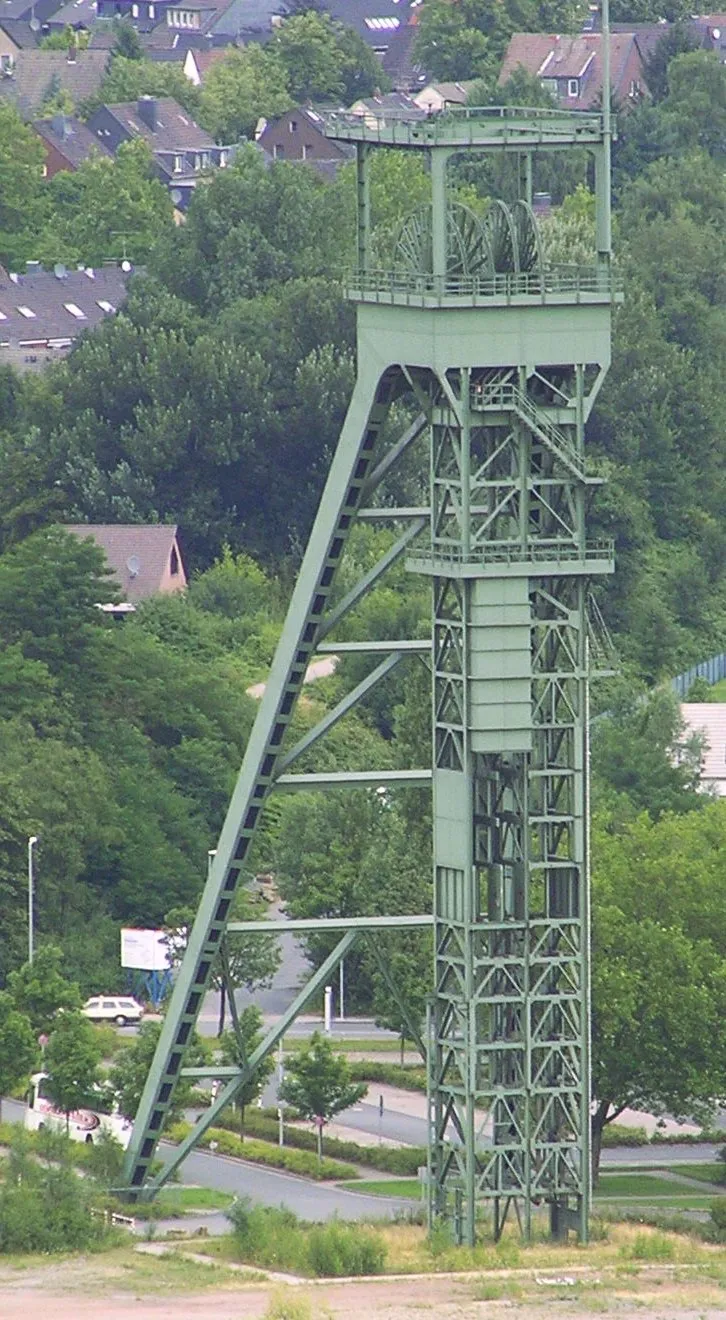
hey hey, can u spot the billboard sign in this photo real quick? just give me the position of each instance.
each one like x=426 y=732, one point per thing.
x=145 y=950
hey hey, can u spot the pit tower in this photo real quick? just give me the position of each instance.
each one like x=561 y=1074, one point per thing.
x=504 y=354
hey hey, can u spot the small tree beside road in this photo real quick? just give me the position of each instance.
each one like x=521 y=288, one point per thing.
x=318 y=1084
x=72 y=1057
x=18 y=1049
x=39 y=989
x=250 y=1024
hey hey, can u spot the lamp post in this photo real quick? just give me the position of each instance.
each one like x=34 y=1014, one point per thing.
x=31 y=844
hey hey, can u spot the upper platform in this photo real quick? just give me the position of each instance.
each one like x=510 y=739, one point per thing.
x=513 y=128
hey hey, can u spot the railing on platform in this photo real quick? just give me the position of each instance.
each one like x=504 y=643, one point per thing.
x=420 y=288
x=512 y=553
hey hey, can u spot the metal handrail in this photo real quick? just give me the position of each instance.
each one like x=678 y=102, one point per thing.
x=513 y=553
x=555 y=279
x=508 y=395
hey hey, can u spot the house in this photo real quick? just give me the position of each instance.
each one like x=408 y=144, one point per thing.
x=299 y=135
x=379 y=109
x=38 y=74
x=145 y=559
x=77 y=14
x=68 y=143
x=15 y=35
x=440 y=96
x=197 y=63
x=43 y=312
x=26 y=10
x=571 y=67
x=399 y=60
x=708 y=719
x=710 y=32
x=181 y=149
x=376 y=21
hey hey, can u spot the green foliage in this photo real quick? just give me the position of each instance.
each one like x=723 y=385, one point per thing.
x=391 y=1074
x=318 y=1083
x=18 y=1046
x=276 y=1239
x=248 y=84
x=129 y=78
x=404 y=1160
x=45 y=1207
x=72 y=1058
x=21 y=195
x=301 y=1162
x=250 y=1030
x=130 y=1070
x=38 y=990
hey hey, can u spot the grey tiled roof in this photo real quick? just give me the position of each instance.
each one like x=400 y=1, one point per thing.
x=20 y=32
x=147 y=546
x=176 y=130
x=69 y=136
x=48 y=298
x=37 y=72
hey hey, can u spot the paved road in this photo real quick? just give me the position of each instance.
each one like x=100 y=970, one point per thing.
x=312 y=1201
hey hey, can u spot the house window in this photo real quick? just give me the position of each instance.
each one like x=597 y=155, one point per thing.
x=134 y=11
x=222 y=159
x=305 y=150
x=152 y=11
x=174 y=562
x=573 y=87
x=293 y=125
x=75 y=310
x=205 y=160
x=177 y=164
x=634 y=90
x=27 y=312
x=549 y=85
x=277 y=151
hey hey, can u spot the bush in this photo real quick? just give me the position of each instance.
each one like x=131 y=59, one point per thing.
x=718 y=1215
x=650 y=1246
x=617 y=1134
x=45 y=1207
x=301 y=1162
x=337 y=1250
x=404 y=1161
x=275 y=1238
x=411 y=1077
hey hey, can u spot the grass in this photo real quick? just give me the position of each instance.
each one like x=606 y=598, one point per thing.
x=180 y=1200
x=634 y=1184
x=710 y=1173
x=409 y=1187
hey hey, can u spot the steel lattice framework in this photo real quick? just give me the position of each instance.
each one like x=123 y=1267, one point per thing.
x=503 y=356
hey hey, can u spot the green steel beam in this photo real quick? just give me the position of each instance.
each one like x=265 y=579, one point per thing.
x=356 y=779
x=345 y=705
x=412 y=646
x=307 y=924
x=240 y=1077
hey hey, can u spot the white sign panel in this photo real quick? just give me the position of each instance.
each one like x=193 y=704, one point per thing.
x=146 y=950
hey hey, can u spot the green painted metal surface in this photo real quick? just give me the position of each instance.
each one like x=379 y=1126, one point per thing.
x=503 y=356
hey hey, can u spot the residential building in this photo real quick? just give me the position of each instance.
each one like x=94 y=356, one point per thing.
x=24 y=10
x=571 y=67
x=435 y=97
x=15 y=35
x=710 y=31
x=399 y=60
x=145 y=559
x=182 y=150
x=68 y=143
x=707 y=719
x=197 y=63
x=391 y=105
x=38 y=74
x=299 y=135
x=43 y=312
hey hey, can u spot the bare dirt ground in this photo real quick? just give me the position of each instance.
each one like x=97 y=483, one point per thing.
x=92 y=1288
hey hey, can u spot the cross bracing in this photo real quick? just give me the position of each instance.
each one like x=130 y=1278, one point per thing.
x=501 y=374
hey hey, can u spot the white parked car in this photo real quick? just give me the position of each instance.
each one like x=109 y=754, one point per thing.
x=113 y=1008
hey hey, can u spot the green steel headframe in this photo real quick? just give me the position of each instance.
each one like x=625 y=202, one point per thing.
x=503 y=356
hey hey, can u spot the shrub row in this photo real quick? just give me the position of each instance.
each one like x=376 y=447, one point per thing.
x=404 y=1161
x=616 y=1134
x=410 y=1077
x=275 y=1238
x=301 y=1162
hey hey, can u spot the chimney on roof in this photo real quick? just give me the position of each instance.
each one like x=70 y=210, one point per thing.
x=72 y=48
x=61 y=127
x=148 y=109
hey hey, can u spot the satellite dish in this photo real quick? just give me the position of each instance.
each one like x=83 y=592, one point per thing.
x=59 y=270
x=126 y=267
x=716 y=34
x=34 y=25
x=133 y=564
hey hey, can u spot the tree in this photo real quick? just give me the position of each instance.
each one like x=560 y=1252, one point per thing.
x=318 y=1085
x=18 y=1047
x=245 y=86
x=128 y=43
x=250 y=1027
x=39 y=990
x=659 y=965
x=128 y=77
x=127 y=1077
x=641 y=759
x=108 y=208
x=72 y=1057
x=308 y=49
x=21 y=187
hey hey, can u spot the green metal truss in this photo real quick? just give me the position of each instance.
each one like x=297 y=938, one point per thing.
x=503 y=356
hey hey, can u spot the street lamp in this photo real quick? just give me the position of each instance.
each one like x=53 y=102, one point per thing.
x=31 y=844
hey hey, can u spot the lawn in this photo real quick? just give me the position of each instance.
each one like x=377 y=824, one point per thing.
x=410 y=1187
x=710 y=1173
x=635 y=1184
x=174 y=1200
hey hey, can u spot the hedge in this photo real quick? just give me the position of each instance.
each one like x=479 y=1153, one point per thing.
x=302 y=1162
x=411 y=1077
x=404 y=1161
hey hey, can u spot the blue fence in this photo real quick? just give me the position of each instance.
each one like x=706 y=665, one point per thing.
x=712 y=670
